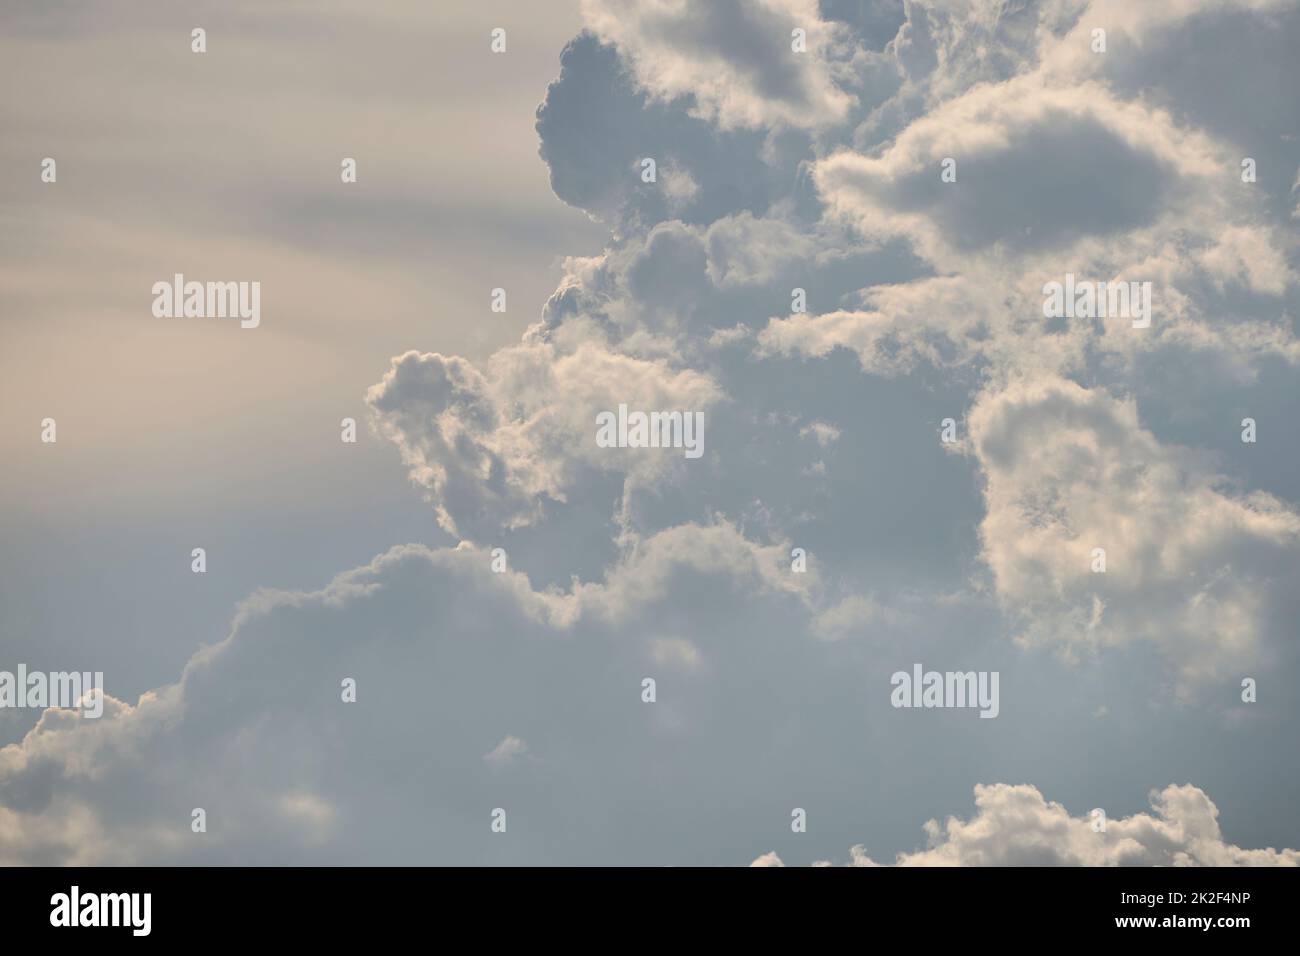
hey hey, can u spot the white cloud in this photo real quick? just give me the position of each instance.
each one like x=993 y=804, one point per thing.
x=931 y=321
x=1016 y=826
x=824 y=433
x=734 y=58
x=509 y=750
x=1249 y=257
x=1189 y=567
x=493 y=448
x=855 y=616
x=1038 y=168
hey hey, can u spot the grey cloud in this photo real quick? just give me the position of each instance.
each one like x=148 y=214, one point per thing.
x=449 y=659
x=596 y=127
x=733 y=59
x=875 y=22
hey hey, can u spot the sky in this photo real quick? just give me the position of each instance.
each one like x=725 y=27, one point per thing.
x=825 y=230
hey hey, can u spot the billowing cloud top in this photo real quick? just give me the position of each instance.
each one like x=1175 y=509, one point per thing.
x=1015 y=826
x=731 y=60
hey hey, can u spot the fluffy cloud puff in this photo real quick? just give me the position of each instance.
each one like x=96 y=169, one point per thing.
x=1016 y=826
x=1198 y=571
x=733 y=59
x=1037 y=169
x=491 y=449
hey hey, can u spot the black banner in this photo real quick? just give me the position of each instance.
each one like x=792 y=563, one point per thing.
x=330 y=905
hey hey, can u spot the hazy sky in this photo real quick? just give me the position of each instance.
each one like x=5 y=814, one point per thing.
x=921 y=288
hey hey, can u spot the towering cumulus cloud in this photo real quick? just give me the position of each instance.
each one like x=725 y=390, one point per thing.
x=840 y=262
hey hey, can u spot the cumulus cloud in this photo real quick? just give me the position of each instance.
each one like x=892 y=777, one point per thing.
x=1188 y=565
x=445 y=653
x=801 y=275
x=596 y=125
x=937 y=322
x=800 y=214
x=492 y=449
x=733 y=59
x=1062 y=165
x=1014 y=825
x=1066 y=162
x=1037 y=168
